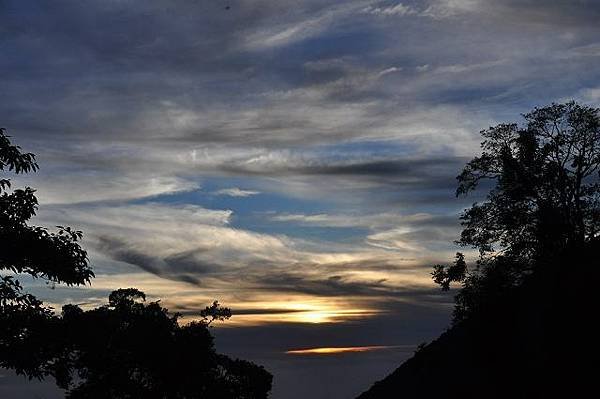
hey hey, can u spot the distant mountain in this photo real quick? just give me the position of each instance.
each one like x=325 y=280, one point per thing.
x=542 y=342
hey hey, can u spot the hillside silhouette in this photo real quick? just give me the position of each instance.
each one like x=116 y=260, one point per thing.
x=524 y=322
x=542 y=342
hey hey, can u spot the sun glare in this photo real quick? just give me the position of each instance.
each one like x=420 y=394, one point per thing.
x=323 y=313
x=316 y=317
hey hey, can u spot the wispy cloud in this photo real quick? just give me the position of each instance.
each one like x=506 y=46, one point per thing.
x=449 y=8
x=397 y=9
x=236 y=192
x=301 y=27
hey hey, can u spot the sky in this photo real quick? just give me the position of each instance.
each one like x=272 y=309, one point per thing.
x=295 y=160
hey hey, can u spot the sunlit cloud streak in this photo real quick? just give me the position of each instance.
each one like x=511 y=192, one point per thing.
x=336 y=350
x=236 y=192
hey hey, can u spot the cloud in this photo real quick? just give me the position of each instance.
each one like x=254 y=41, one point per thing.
x=437 y=9
x=412 y=235
x=372 y=221
x=176 y=238
x=236 y=192
x=399 y=9
x=94 y=186
x=461 y=68
x=519 y=11
x=389 y=70
x=449 y=8
x=301 y=27
x=304 y=176
x=588 y=50
x=195 y=245
x=414 y=239
x=591 y=95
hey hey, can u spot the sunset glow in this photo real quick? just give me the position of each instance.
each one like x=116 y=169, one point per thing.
x=301 y=314
x=336 y=350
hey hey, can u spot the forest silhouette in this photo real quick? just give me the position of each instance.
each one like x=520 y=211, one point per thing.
x=125 y=349
x=524 y=310
x=524 y=316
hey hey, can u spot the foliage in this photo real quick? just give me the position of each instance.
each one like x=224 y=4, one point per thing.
x=24 y=321
x=25 y=249
x=443 y=275
x=130 y=349
x=215 y=312
x=545 y=197
x=55 y=256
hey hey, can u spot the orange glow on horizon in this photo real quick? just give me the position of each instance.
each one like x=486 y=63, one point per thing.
x=335 y=350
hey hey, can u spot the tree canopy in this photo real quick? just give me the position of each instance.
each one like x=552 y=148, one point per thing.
x=133 y=349
x=36 y=251
x=545 y=197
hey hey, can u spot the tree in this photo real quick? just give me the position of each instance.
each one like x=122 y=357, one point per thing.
x=545 y=197
x=24 y=249
x=214 y=312
x=130 y=349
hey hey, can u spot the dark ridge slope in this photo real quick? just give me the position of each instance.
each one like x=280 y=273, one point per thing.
x=542 y=342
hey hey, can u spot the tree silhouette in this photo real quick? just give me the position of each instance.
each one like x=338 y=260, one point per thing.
x=125 y=349
x=130 y=349
x=534 y=285
x=54 y=256
x=545 y=197
x=215 y=312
